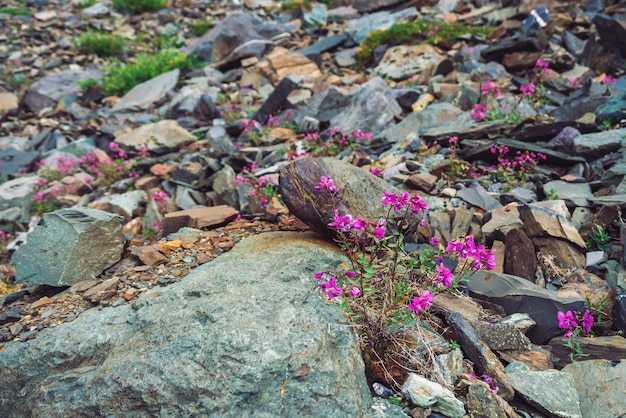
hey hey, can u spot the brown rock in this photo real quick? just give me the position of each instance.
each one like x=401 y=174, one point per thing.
x=8 y=102
x=198 y=218
x=281 y=63
x=359 y=191
x=421 y=180
x=42 y=302
x=536 y=359
x=607 y=348
x=520 y=259
x=565 y=254
x=462 y=221
x=104 y=290
x=147 y=183
x=149 y=255
x=516 y=61
x=540 y=222
x=591 y=287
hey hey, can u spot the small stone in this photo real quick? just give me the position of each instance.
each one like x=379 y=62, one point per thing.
x=422 y=392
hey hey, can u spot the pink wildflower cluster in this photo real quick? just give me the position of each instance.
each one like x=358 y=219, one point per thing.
x=528 y=89
x=400 y=201
x=332 y=287
x=160 y=197
x=249 y=126
x=568 y=321
x=422 y=302
x=327 y=184
x=479 y=112
x=541 y=68
x=467 y=248
x=376 y=171
x=361 y=136
x=521 y=159
x=490 y=89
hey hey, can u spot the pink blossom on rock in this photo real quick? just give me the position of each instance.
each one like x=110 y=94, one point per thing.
x=422 y=302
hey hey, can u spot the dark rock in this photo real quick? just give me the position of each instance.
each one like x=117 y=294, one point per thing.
x=596 y=145
x=325 y=106
x=613 y=110
x=612 y=34
x=475 y=349
x=325 y=44
x=68 y=246
x=564 y=140
x=579 y=103
x=11 y=315
x=517 y=295
x=359 y=191
x=405 y=98
x=520 y=259
x=536 y=41
x=237 y=36
x=275 y=100
x=197 y=350
x=619 y=313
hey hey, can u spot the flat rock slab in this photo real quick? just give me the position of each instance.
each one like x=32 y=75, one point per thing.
x=45 y=93
x=518 y=295
x=552 y=391
x=159 y=138
x=601 y=385
x=149 y=92
x=249 y=334
x=69 y=246
x=198 y=218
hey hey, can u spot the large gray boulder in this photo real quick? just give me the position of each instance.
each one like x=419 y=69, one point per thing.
x=45 y=93
x=248 y=334
x=69 y=246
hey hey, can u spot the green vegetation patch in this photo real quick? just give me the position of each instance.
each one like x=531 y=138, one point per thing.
x=102 y=44
x=120 y=78
x=433 y=33
x=139 y=6
x=86 y=3
x=14 y=12
x=201 y=27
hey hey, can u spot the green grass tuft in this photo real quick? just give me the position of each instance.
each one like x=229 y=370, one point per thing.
x=14 y=12
x=120 y=78
x=201 y=27
x=102 y=44
x=139 y=6
x=433 y=33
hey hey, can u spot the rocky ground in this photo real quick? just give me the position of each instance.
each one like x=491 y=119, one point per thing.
x=116 y=209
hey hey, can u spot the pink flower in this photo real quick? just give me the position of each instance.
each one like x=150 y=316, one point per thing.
x=490 y=88
x=328 y=184
x=566 y=320
x=434 y=241
x=355 y=292
x=379 y=233
x=422 y=302
x=418 y=204
x=453 y=140
x=444 y=275
x=341 y=223
x=389 y=198
x=479 y=112
x=350 y=274
x=528 y=89
x=376 y=171
x=331 y=288
x=587 y=321
x=359 y=223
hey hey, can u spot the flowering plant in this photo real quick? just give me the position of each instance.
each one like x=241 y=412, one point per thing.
x=334 y=142
x=574 y=324
x=261 y=189
x=512 y=171
x=383 y=284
